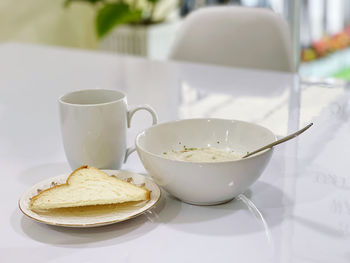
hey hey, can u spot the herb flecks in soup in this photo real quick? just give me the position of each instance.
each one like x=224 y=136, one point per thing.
x=208 y=154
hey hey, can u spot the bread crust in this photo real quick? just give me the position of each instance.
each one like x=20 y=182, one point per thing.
x=55 y=186
x=148 y=193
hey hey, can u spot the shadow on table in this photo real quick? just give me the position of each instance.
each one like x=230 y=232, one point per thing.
x=232 y=218
x=80 y=237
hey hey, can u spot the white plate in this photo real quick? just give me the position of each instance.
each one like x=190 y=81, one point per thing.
x=91 y=217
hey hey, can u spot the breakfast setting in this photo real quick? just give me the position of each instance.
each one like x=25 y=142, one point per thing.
x=115 y=171
x=165 y=131
x=211 y=168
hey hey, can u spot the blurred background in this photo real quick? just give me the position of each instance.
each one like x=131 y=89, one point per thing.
x=147 y=28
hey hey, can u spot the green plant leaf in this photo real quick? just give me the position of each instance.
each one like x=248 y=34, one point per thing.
x=115 y=14
x=68 y=2
x=153 y=1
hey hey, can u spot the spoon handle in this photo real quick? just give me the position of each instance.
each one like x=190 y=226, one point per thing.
x=284 y=139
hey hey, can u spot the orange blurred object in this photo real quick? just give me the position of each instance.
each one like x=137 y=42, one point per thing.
x=308 y=54
x=327 y=45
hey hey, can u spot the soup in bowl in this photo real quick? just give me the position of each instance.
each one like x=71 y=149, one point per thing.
x=199 y=161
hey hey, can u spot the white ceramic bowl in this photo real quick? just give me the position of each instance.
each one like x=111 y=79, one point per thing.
x=204 y=183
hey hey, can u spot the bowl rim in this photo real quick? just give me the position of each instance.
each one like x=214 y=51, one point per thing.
x=202 y=119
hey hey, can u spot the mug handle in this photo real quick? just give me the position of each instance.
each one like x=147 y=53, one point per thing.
x=129 y=116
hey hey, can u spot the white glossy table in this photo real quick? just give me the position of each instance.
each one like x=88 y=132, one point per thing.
x=298 y=211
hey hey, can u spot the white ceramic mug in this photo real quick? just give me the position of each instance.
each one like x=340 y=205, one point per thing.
x=93 y=125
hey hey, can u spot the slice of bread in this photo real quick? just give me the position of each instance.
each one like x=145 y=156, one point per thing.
x=88 y=186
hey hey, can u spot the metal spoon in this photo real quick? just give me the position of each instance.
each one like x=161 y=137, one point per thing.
x=284 y=139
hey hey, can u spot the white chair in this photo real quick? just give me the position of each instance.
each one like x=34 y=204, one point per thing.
x=235 y=36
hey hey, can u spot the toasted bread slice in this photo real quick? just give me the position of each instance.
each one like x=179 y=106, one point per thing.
x=88 y=186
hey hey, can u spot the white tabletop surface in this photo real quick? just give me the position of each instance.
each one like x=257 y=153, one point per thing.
x=299 y=210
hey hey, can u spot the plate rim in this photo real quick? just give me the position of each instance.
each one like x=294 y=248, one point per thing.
x=91 y=224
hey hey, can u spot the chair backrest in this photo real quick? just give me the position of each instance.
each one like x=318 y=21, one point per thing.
x=235 y=36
